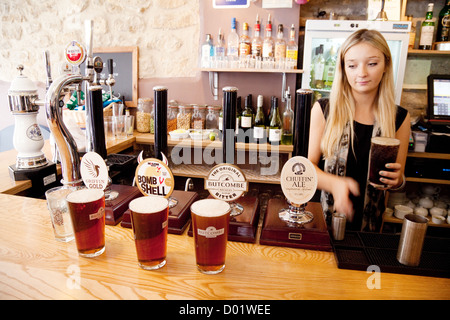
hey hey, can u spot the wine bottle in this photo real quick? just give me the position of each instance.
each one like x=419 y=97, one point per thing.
x=427 y=30
x=275 y=124
x=259 y=128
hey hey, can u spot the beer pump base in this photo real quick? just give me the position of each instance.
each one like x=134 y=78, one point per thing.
x=179 y=215
x=115 y=209
x=41 y=178
x=276 y=232
x=243 y=227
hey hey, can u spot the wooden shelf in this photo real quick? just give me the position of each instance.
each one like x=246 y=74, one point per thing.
x=418 y=52
x=252 y=70
x=429 y=155
x=148 y=138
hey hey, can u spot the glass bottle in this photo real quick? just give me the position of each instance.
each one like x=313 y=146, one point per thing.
x=330 y=68
x=233 y=42
x=287 y=132
x=268 y=45
x=319 y=66
x=427 y=30
x=256 y=40
x=280 y=44
x=275 y=124
x=219 y=49
x=207 y=52
x=143 y=114
x=412 y=33
x=443 y=27
x=245 y=44
x=292 y=47
x=259 y=128
x=247 y=114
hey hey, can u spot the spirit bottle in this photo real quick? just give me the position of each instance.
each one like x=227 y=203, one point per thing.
x=245 y=44
x=207 y=52
x=427 y=30
x=443 y=27
x=219 y=49
x=280 y=44
x=268 y=45
x=292 y=47
x=233 y=42
x=257 y=41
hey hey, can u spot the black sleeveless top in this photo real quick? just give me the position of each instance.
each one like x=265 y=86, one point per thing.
x=358 y=161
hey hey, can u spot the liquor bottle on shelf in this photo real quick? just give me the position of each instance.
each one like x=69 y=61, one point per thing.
x=207 y=51
x=259 y=128
x=247 y=115
x=275 y=124
x=427 y=30
x=330 y=68
x=319 y=66
x=245 y=44
x=443 y=26
x=233 y=42
x=256 y=40
x=288 y=121
x=268 y=45
x=292 y=47
x=219 y=48
x=280 y=44
x=412 y=33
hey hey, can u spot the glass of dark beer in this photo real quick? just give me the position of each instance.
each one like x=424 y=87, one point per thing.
x=383 y=150
x=87 y=211
x=149 y=220
x=210 y=218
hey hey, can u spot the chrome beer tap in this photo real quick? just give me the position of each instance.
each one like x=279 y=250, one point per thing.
x=67 y=147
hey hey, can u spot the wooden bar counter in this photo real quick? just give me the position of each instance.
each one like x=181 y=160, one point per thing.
x=35 y=266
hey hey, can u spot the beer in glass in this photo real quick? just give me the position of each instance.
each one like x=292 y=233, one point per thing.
x=210 y=218
x=383 y=150
x=149 y=220
x=87 y=211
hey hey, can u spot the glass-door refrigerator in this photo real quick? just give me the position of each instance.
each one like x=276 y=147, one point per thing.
x=323 y=39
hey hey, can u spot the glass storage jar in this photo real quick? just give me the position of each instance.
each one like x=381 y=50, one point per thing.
x=184 y=118
x=211 y=121
x=198 y=121
x=143 y=115
x=172 y=117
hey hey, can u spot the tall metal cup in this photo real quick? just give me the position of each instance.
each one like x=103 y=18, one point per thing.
x=411 y=240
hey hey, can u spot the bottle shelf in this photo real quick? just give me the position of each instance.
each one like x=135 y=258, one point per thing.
x=428 y=52
x=252 y=70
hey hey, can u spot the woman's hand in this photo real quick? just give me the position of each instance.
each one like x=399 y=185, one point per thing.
x=393 y=177
x=341 y=188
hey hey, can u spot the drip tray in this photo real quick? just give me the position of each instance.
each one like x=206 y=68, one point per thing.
x=359 y=250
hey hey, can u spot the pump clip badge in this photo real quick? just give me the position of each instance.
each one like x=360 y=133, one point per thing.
x=94 y=171
x=153 y=177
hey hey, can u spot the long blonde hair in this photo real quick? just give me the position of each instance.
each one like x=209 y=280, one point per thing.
x=342 y=104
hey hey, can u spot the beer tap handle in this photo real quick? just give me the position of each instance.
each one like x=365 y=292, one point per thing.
x=48 y=69
x=110 y=81
x=88 y=27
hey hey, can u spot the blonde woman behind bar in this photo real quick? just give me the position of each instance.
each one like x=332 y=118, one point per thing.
x=361 y=106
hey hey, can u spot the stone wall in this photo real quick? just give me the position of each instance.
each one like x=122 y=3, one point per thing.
x=166 y=31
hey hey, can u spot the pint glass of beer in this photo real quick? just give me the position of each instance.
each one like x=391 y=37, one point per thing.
x=87 y=210
x=210 y=218
x=383 y=150
x=149 y=219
